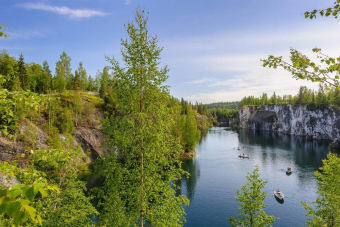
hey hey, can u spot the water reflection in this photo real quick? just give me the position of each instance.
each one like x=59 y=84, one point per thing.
x=217 y=171
x=296 y=147
x=192 y=167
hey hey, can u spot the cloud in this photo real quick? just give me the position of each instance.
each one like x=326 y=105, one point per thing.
x=127 y=2
x=63 y=10
x=25 y=34
x=201 y=81
x=233 y=61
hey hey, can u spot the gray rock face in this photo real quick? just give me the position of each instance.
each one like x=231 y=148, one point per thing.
x=301 y=120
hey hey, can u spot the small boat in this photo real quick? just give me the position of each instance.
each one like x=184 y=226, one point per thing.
x=244 y=155
x=238 y=148
x=279 y=195
x=289 y=170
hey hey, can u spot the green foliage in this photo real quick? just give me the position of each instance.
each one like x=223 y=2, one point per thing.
x=104 y=82
x=22 y=74
x=1 y=32
x=220 y=114
x=17 y=202
x=302 y=67
x=331 y=11
x=322 y=98
x=326 y=211
x=13 y=107
x=137 y=185
x=190 y=133
x=252 y=205
x=66 y=121
x=63 y=72
x=223 y=105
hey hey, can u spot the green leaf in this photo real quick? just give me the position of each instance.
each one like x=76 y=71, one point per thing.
x=31 y=211
x=37 y=187
x=12 y=207
x=43 y=192
x=14 y=193
x=3 y=207
x=19 y=216
x=30 y=194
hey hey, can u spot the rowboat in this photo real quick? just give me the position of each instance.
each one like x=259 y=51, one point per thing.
x=244 y=155
x=279 y=195
x=289 y=170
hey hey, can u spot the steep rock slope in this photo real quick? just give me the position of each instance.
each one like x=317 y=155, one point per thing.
x=301 y=120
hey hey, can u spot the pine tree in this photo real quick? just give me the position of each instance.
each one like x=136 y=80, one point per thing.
x=46 y=81
x=22 y=73
x=138 y=183
x=252 y=205
x=77 y=81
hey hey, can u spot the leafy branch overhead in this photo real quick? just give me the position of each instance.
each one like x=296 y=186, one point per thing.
x=331 y=11
x=303 y=68
x=1 y=32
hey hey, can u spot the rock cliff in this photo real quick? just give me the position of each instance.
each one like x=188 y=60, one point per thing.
x=300 y=120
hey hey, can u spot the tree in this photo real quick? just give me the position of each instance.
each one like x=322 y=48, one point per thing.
x=22 y=74
x=138 y=182
x=302 y=67
x=326 y=211
x=251 y=198
x=46 y=81
x=104 y=81
x=9 y=68
x=63 y=72
x=83 y=76
x=190 y=133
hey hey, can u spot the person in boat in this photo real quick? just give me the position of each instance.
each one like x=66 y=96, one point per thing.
x=278 y=192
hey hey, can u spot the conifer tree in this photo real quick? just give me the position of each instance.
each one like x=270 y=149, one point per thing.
x=138 y=183
x=77 y=82
x=46 y=81
x=22 y=73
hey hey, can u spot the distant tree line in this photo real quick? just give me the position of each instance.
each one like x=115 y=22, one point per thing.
x=223 y=105
x=324 y=96
x=22 y=76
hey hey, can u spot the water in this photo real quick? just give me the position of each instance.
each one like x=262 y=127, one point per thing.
x=217 y=172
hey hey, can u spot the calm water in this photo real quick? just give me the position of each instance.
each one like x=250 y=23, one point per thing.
x=217 y=172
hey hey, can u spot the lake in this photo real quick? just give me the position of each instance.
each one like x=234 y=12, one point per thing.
x=217 y=171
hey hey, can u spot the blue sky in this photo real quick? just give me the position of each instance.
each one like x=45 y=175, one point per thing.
x=212 y=47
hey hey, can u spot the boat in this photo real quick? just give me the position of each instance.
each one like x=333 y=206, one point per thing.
x=279 y=195
x=289 y=170
x=244 y=155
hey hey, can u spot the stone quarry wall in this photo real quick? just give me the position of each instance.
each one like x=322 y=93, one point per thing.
x=300 y=120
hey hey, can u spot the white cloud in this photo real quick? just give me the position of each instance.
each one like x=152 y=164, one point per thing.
x=127 y=2
x=233 y=60
x=201 y=81
x=63 y=10
x=25 y=34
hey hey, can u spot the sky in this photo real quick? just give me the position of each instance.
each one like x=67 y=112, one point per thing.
x=212 y=47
